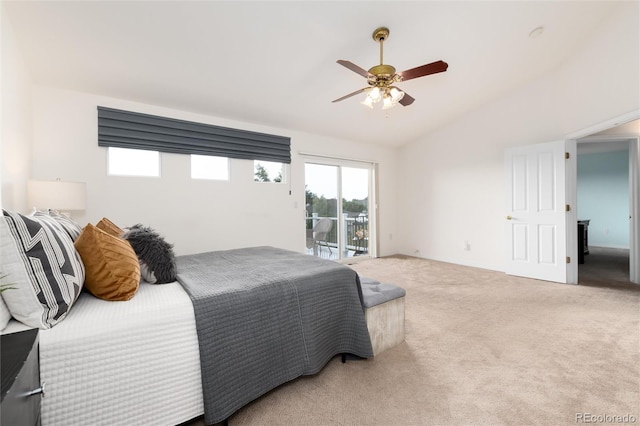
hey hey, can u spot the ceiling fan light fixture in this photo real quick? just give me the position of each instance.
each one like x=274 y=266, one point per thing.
x=396 y=94
x=390 y=96
x=375 y=94
x=387 y=102
x=368 y=102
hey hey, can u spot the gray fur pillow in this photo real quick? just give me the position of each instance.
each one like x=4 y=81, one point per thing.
x=157 y=261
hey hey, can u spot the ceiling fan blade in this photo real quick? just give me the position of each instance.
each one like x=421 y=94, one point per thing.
x=421 y=71
x=350 y=95
x=406 y=100
x=353 y=67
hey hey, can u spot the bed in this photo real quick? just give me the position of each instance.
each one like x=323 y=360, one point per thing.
x=237 y=324
x=122 y=363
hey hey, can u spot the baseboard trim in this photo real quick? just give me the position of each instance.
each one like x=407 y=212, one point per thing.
x=459 y=262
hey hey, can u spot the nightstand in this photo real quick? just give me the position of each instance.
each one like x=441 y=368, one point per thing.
x=21 y=390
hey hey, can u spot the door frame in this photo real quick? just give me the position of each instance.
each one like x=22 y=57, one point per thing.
x=571 y=182
x=634 y=210
x=571 y=196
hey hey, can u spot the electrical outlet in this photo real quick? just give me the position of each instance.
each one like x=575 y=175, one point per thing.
x=467 y=246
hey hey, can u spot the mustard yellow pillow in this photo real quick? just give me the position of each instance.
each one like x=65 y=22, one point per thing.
x=109 y=227
x=112 y=267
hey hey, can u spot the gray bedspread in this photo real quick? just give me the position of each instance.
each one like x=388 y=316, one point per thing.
x=265 y=316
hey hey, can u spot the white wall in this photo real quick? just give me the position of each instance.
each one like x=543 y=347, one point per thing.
x=15 y=146
x=195 y=215
x=601 y=80
x=452 y=184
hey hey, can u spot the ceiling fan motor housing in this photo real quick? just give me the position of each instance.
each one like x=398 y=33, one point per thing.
x=382 y=70
x=382 y=75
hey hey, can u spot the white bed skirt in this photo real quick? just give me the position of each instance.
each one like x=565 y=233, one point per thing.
x=122 y=363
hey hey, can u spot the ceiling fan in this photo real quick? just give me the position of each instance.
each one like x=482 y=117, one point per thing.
x=381 y=78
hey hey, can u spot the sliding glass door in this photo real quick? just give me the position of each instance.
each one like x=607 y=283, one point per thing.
x=338 y=209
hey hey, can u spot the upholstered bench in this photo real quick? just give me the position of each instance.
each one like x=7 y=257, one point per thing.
x=384 y=312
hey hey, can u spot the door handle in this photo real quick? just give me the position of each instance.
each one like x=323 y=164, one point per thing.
x=509 y=218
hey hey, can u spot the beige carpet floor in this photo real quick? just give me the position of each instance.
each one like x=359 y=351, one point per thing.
x=481 y=348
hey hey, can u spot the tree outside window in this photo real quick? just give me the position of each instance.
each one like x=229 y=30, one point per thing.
x=266 y=171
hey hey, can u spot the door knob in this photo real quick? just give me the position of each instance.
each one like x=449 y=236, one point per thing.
x=509 y=218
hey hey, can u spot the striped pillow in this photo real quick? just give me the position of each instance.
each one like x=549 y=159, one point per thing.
x=42 y=264
x=68 y=224
x=5 y=315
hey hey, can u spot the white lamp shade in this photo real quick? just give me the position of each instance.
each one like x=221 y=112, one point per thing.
x=375 y=94
x=396 y=94
x=367 y=102
x=57 y=195
x=387 y=102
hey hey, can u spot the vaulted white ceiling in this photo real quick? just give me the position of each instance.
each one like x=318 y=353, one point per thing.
x=274 y=63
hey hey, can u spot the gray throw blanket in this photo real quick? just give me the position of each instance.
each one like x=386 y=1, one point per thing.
x=265 y=316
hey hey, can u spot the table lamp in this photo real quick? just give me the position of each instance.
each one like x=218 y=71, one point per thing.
x=57 y=195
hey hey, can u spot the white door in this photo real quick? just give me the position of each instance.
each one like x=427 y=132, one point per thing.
x=535 y=211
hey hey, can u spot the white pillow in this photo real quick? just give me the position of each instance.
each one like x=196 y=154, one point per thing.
x=42 y=264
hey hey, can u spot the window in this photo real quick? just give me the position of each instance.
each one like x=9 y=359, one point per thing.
x=268 y=171
x=132 y=162
x=209 y=167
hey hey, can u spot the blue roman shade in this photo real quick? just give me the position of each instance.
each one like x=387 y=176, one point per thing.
x=125 y=129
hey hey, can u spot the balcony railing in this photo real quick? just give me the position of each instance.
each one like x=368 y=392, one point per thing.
x=355 y=237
